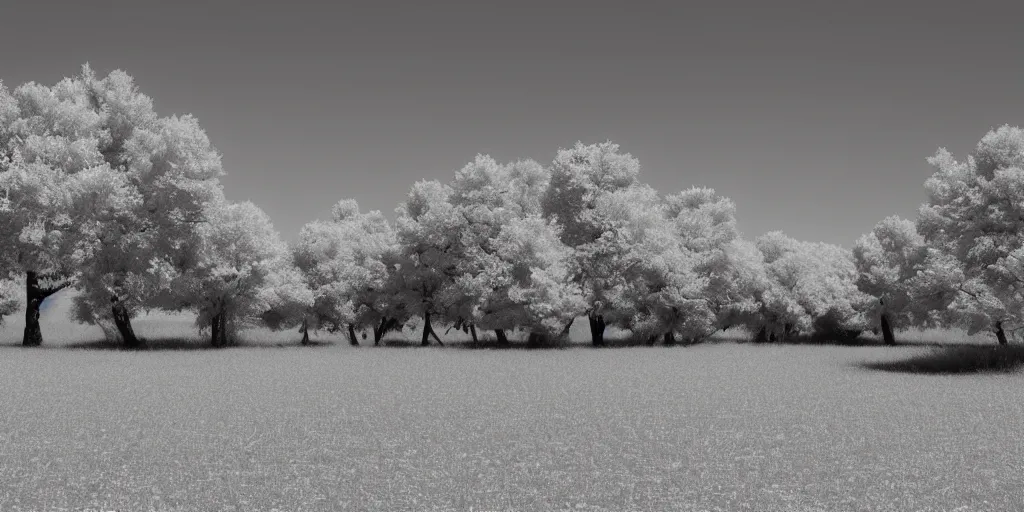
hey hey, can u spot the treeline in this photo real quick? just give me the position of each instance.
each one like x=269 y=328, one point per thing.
x=102 y=195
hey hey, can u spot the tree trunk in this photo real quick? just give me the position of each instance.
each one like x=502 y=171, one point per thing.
x=762 y=335
x=426 y=330
x=670 y=338
x=887 y=334
x=33 y=335
x=536 y=339
x=1000 y=334
x=215 y=331
x=123 y=322
x=787 y=332
x=568 y=326
x=352 y=340
x=597 y=329
x=378 y=332
x=305 y=331
x=652 y=340
x=224 y=330
x=502 y=339
x=472 y=330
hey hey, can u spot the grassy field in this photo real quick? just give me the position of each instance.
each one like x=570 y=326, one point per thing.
x=721 y=426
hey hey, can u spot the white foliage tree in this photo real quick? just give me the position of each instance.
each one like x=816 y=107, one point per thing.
x=973 y=220
x=428 y=229
x=58 y=184
x=172 y=172
x=812 y=289
x=730 y=274
x=580 y=178
x=243 y=275
x=888 y=260
x=347 y=263
x=512 y=269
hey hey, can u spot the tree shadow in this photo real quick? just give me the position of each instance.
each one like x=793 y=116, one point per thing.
x=147 y=345
x=956 y=359
x=182 y=344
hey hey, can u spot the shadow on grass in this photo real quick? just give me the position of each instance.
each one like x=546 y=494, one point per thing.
x=190 y=344
x=954 y=359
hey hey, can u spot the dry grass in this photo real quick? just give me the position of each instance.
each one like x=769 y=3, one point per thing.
x=720 y=426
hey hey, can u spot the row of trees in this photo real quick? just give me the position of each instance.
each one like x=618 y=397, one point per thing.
x=103 y=195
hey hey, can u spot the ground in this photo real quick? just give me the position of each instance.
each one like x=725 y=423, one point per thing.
x=722 y=426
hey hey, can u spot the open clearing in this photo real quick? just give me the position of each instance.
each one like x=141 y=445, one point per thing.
x=713 y=427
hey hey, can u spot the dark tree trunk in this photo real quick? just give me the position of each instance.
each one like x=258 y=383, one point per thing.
x=787 y=332
x=123 y=322
x=472 y=331
x=1000 y=334
x=224 y=330
x=887 y=334
x=565 y=330
x=378 y=332
x=652 y=340
x=536 y=339
x=33 y=335
x=426 y=330
x=305 y=331
x=352 y=340
x=670 y=338
x=502 y=339
x=762 y=335
x=597 y=329
x=215 y=335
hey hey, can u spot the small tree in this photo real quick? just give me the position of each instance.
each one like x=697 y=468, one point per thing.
x=887 y=259
x=9 y=303
x=812 y=288
x=243 y=275
x=347 y=264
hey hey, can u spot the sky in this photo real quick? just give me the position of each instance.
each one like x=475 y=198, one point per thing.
x=816 y=118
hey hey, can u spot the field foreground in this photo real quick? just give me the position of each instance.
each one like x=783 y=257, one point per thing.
x=714 y=427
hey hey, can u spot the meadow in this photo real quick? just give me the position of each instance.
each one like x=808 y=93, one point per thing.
x=719 y=426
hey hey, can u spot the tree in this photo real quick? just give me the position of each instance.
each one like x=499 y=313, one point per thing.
x=243 y=275
x=511 y=268
x=705 y=225
x=812 y=288
x=973 y=220
x=888 y=259
x=346 y=263
x=172 y=172
x=9 y=303
x=59 y=184
x=428 y=230
x=580 y=178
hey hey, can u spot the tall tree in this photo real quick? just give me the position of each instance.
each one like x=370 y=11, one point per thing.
x=57 y=185
x=580 y=177
x=512 y=269
x=428 y=230
x=173 y=175
x=973 y=220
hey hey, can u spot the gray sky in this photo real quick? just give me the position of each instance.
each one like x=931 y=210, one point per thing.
x=815 y=117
